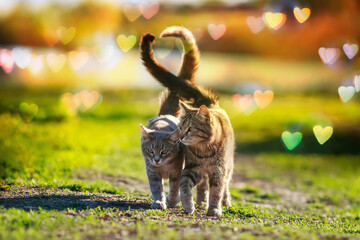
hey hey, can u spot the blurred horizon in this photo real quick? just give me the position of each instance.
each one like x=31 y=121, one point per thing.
x=76 y=43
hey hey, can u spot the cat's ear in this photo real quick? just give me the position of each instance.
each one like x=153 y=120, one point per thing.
x=203 y=112
x=183 y=108
x=145 y=132
x=174 y=136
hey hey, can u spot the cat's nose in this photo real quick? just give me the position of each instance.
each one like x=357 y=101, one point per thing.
x=157 y=159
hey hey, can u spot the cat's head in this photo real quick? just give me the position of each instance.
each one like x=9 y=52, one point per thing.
x=158 y=147
x=195 y=124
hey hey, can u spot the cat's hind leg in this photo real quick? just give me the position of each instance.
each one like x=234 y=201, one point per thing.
x=202 y=193
x=217 y=187
x=226 y=201
x=173 y=196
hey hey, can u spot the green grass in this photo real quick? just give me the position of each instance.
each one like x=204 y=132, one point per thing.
x=75 y=177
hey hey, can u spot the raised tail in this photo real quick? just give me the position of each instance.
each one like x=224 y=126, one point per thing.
x=169 y=104
x=190 y=62
x=182 y=88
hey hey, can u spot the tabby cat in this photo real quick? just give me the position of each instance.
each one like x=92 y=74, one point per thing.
x=208 y=139
x=161 y=149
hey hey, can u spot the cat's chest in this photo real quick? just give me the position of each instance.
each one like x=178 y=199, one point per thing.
x=163 y=171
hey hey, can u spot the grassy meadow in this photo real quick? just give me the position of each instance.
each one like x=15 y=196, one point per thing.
x=83 y=176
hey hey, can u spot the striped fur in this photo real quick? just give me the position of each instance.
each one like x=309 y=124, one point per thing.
x=161 y=149
x=209 y=151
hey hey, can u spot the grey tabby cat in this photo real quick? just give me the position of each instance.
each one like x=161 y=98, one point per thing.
x=161 y=149
x=208 y=140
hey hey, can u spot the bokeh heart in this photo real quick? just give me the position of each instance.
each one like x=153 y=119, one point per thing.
x=66 y=34
x=78 y=59
x=357 y=82
x=263 y=99
x=329 y=55
x=7 y=60
x=256 y=24
x=89 y=98
x=126 y=42
x=301 y=15
x=131 y=12
x=36 y=64
x=28 y=111
x=83 y=100
x=291 y=140
x=350 y=50
x=71 y=102
x=346 y=93
x=22 y=57
x=56 y=61
x=274 y=20
x=322 y=134
x=216 y=31
x=51 y=37
x=149 y=10
x=245 y=103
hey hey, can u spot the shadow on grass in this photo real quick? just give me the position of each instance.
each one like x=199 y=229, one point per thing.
x=78 y=202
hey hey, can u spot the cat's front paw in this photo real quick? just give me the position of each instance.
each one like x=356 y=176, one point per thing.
x=214 y=212
x=188 y=204
x=158 y=205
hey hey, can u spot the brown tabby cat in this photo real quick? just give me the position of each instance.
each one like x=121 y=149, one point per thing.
x=209 y=153
x=161 y=149
x=208 y=137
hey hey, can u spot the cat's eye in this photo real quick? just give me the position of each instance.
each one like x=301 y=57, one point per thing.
x=163 y=152
x=189 y=130
x=151 y=151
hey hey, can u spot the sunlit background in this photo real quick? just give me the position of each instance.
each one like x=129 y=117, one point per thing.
x=95 y=43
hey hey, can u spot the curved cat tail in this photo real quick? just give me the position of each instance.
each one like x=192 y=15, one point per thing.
x=182 y=89
x=190 y=62
x=169 y=104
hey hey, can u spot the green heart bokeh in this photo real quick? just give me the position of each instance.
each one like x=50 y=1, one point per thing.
x=291 y=140
x=28 y=111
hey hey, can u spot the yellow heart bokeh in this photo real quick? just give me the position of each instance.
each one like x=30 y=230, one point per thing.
x=322 y=134
x=66 y=34
x=131 y=12
x=301 y=14
x=274 y=20
x=262 y=99
x=126 y=43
